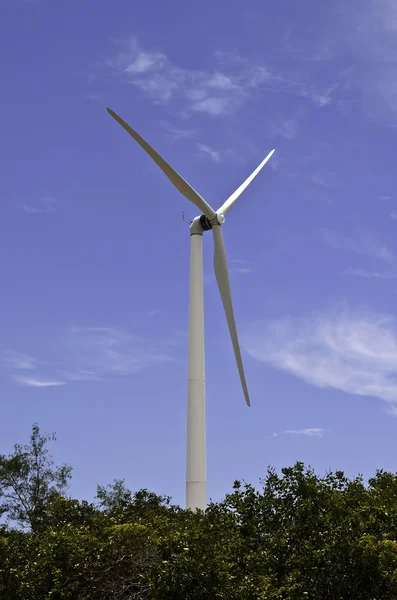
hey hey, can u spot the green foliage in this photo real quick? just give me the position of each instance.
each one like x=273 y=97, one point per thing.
x=28 y=480
x=115 y=497
x=299 y=536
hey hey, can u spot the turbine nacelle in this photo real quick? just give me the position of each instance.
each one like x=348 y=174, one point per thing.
x=207 y=224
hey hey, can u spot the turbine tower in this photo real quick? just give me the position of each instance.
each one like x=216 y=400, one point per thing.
x=196 y=480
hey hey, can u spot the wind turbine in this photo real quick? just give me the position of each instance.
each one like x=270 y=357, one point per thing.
x=196 y=485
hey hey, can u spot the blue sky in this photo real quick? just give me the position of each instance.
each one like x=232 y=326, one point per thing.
x=94 y=276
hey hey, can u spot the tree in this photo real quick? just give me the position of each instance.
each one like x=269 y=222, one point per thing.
x=114 y=497
x=299 y=536
x=28 y=480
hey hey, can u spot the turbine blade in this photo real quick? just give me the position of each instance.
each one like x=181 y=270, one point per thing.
x=181 y=185
x=222 y=278
x=232 y=199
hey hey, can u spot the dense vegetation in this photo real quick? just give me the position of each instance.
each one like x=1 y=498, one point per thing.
x=299 y=537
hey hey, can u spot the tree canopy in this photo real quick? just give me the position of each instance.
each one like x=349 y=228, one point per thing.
x=28 y=480
x=297 y=535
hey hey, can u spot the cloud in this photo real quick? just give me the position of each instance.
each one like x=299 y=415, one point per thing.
x=320 y=98
x=208 y=152
x=363 y=245
x=356 y=44
x=393 y=214
x=214 y=106
x=17 y=360
x=145 y=62
x=44 y=205
x=154 y=312
x=370 y=37
x=36 y=382
x=106 y=351
x=211 y=92
x=240 y=270
x=366 y=247
x=351 y=351
x=236 y=267
x=288 y=129
x=91 y=354
x=378 y=19
x=310 y=432
x=95 y=96
x=367 y=274
x=215 y=92
x=81 y=375
x=316 y=53
x=274 y=163
x=317 y=179
x=179 y=133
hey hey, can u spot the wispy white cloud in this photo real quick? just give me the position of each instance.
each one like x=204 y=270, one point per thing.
x=309 y=432
x=18 y=361
x=154 y=312
x=236 y=267
x=81 y=375
x=144 y=62
x=352 y=351
x=91 y=354
x=15 y=362
x=393 y=214
x=371 y=34
x=214 y=106
x=203 y=150
x=367 y=274
x=95 y=96
x=179 y=133
x=105 y=351
x=37 y=382
x=288 y=129
x=320 y=98
x=209 y=92
x=215 y=92
x=363 y=36
x=240 y=270
x=317 y=179
x=359 y=245
x=326 y=51
x=365 y=246
x=208 y=152
x=44 y=205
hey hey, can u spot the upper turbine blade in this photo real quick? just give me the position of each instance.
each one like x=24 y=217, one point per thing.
x=222 y=278
x=172 y=175
x=232 y=199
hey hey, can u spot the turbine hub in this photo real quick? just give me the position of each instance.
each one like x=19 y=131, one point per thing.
x=220 y=218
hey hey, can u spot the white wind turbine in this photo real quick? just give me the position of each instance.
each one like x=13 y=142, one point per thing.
x=196 y=430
